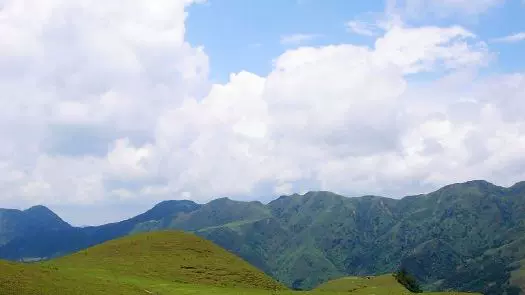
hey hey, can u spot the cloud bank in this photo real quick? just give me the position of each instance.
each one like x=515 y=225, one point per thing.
x=106 y=103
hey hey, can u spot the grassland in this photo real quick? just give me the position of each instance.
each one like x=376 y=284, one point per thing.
x=379 y=285
x=163 y=263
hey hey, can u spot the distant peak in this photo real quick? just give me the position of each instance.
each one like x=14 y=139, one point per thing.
x=168 y=208
x=165 y=207
x=284 y=197
x=519 y=186
x=39 y=209
x=320 y=193
x=221 y=200
x=169 y=203
x=44 y=215
x=479 y=182
x=480 y=185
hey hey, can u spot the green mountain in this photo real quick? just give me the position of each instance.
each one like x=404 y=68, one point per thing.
x=468 y=236
x=16 y=223
x=165 y=262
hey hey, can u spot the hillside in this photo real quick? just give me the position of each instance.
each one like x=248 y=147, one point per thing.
x=134 y=264
x=379 y=285
x=384 y=284
x=466 y=236
x=164 y=262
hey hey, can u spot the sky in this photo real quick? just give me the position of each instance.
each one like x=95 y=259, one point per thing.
x=108 y=107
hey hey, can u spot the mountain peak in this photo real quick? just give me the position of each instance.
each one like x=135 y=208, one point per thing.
x=44 y=215
x=518 y=187
x=172 y=203
x=223 y=200
x=321 y=194
x=39 y=209
x=168 y=208
x=480 y=185
x=479 y=182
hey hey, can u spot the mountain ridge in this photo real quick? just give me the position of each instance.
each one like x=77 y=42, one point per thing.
x=304 y=240
x=31 y=220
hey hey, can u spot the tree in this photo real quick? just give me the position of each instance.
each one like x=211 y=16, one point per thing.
x=405 y=279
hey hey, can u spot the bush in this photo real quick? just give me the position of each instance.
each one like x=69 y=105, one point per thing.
x=405 y=279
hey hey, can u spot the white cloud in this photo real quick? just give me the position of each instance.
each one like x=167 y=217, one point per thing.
x=72 y=67
x=422 y=49
x=98 y=113
x=362 y=28
x=332 y=117
x=511 y=38
x=127 y=161
x=296 y=39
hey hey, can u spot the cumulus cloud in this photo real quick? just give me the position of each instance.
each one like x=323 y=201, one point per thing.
x=76 y=78
x=331 y=117
x=108 y=103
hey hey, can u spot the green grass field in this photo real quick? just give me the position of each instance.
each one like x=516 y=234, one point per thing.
x=163 y=263
x=379 y=285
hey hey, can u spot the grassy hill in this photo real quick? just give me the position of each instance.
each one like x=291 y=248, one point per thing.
x=385 y=284
x=163 y=263
x=378 y=285
x=138 y=264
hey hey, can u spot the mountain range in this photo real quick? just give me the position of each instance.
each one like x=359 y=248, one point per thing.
x=172 y=262
x=466 y=236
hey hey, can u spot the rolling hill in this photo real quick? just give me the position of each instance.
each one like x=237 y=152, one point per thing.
x=465 y=236
x=135 y=265
x=383 y=284
x=166 y=262
x=379 y=285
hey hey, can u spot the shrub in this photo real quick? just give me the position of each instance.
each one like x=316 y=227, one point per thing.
x=405 y=279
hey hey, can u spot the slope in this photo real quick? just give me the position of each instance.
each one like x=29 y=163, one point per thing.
x=163 y=263
x=133 y=264
x=379 y=285
x=385 y=284
x=169 y=255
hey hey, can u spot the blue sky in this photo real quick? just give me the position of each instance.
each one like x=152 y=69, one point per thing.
x=107 y=109
x=246 y=35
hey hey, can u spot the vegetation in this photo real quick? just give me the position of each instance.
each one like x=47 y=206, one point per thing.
x=378 y=285
x=384 y=284
x=408 y=281
x=465 y=236
x=135 y=264
x=16 y=223
x=161 y=263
